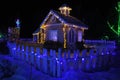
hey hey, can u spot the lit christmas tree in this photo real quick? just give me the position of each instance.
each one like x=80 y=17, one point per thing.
x=117 y=32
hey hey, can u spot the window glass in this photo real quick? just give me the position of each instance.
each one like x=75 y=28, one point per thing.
x=53 y=35
x=79 y=36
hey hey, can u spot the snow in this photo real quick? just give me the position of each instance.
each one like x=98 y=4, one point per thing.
x=24 y=71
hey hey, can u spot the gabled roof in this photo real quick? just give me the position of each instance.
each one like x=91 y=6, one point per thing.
x=64 y=19
x=37 y=30
x=70 y=20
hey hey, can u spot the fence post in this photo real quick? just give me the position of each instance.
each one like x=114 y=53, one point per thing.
x=76 y=60
x=29 y=54
x=38 y=56
x=13 y=50
x=51 y=61
x=65 y=54
x=45 y=61
x=32 y=55
x=54 y=63
x=99 y=59
x=24 y=58
x=75 y=55
x=83 y=66
x=22 y=52
x=18 y=51
x=64 y=61
x=90 y=59
x=26 y=51
x=59 y=63
x=106 y=58
x=68 y=54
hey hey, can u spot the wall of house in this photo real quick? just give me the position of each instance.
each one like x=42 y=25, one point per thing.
x=72 y=36
x=60 y=34
x=59 y=29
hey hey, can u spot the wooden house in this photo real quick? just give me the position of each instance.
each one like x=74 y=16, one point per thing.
x=61 y=27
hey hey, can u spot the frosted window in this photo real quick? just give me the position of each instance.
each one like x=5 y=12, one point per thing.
x=53 y=35
x=79 y=36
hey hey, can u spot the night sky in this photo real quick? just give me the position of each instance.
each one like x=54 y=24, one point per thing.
x=31 y=13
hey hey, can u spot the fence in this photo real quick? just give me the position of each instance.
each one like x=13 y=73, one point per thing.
x=56 y=63
x=101 y=43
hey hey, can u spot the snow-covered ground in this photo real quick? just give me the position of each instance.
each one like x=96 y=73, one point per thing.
x=23 y=71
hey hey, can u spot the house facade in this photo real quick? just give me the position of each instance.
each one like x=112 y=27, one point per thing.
x=60 y=27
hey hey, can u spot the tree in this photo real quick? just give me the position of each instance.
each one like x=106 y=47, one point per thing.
x=117 y=32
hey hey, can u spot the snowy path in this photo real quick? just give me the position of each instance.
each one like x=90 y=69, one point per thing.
x=23 y=72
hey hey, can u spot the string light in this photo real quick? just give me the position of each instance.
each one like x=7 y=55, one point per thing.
x=64 y=31
x=117 y=32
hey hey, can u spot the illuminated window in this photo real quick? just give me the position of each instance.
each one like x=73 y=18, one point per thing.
x=53 y=35
x=79 y=36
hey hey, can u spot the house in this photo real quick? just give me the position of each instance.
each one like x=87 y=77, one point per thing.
x=61 y=27
x=14 y=32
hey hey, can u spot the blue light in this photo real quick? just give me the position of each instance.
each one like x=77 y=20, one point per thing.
x=83 y=59
x=91 y=57
x=18 y=23
x=35 y=54
x=39 y=56
x=75 y=59
x=56 y=59
x=14 y=48
x=102 y=53
x=108 y=53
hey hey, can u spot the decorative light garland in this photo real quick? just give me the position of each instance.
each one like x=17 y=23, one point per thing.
x=64 y=31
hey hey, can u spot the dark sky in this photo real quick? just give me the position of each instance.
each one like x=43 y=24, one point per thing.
x=31 y=13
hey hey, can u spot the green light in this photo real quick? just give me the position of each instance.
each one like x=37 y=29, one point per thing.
x=0 y=36
x=111 y=27
x=118 y=4
x=105 y=37
x=117 y=32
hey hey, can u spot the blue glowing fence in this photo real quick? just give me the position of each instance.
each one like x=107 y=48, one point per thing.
x=56 y=63
x=101 y=43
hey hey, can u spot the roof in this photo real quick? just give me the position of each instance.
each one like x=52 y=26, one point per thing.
x=64 y=5
x=70 y=19
x=66 y=19
x=37 y=30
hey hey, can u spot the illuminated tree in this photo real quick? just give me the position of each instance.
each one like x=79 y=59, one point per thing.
x=117 y=32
